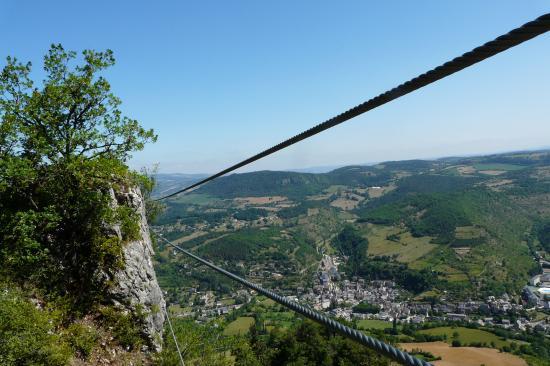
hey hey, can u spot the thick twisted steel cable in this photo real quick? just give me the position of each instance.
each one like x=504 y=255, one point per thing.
x=372 y=343
x=513 y=38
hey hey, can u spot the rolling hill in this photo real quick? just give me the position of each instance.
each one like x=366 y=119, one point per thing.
x=471 y=222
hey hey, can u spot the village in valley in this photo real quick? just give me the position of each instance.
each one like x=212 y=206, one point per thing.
x=339 y=297
x=416 y=278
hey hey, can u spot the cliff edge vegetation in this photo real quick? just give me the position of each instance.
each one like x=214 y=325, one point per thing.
x=64 y=228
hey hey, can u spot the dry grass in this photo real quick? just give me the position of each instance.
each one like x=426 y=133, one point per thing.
x=344 y=204
x=466 y=356
x=469 y=232
x=542 y=173
x=259 y=200
x=462 y=251
x=269 y=208
x=539 y=203
x=467 y=169
x=378 y=192
x=492 y=172
x=498 y=184
x=194 y=235
x=312 y=211
x=318 y=197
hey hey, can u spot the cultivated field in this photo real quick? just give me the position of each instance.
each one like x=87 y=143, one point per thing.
x=373 y=324
x=492 y=172
x=259 y=200
x=406 y=247
x=185 y=238
x=465 y=356
x=466 y=170
x=497 y=167
x=378 y=192
x=467 y=335
x=469 y=232
x=241 y=325
x=344 y=204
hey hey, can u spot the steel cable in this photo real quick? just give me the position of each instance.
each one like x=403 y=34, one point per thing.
x=174 y=337
x=513 y=38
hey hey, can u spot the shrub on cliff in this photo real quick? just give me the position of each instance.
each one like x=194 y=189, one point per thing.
x=63 y=147
x=28 y=335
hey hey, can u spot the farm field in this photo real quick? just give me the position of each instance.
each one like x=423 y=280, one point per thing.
x=467 y=335
x=379 y=191
x=497 y=166
x=239 y=326
x=465 y=356
x=177 y=309
x=344 y=204
x=407 y=248
x=191 y=236
x=373 y=324
x=259 y=200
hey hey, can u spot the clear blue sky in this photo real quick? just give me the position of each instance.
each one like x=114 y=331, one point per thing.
x=219 y=81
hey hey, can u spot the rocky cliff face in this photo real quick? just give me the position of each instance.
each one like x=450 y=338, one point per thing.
x=135 y=287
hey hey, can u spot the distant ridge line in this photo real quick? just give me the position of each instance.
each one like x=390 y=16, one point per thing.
x=513 y=38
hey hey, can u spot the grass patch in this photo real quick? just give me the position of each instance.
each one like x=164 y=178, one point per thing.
x=498 y=166
x=335 y=188
x=239 y=326
x=228 y=301
x=469 y=232
x=177 y=309
x=467 y=335
x=406 y=247
x=373 y=324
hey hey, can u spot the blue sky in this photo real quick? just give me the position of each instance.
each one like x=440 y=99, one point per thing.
x=221 y=80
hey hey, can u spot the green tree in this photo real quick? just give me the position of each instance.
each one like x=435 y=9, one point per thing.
x=72 y=114
x=351 y=244
x=63 y=147
x=309 y=343
x=199 y=345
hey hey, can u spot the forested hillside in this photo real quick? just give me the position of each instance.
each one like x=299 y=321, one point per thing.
x=483 y=205
x=443 y=232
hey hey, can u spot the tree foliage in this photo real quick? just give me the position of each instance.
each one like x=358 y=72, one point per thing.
x=351 y=244
x=63 y=147
x=72 y=114
x=27 y=335
x=366 y=308
x=543 y=235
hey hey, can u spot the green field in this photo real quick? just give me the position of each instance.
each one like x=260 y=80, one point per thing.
x=407 y=248
x=468 y=232
x=467 y=335
x=241 y=325
x=228 y=301
x=176 y=309
x=497 y=166
x=373 y=324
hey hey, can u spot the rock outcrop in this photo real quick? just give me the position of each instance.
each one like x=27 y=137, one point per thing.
x=135 y=286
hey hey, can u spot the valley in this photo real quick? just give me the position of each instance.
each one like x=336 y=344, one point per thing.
x=423 y=243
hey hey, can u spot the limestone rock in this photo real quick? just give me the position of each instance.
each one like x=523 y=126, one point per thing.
x=135 y=286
